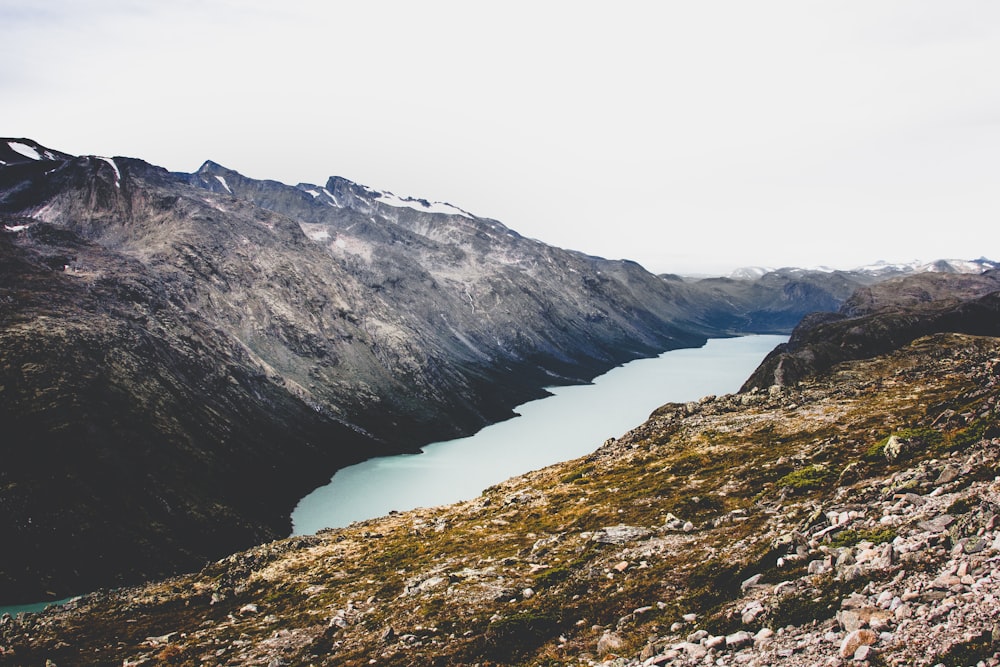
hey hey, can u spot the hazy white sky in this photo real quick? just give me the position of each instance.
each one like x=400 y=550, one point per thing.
x=689 y=136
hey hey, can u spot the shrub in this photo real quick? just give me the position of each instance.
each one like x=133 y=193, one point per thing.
x=914 y=437
x=810 y=477
x=516 y=635
x=578 y=476
x=848 y=538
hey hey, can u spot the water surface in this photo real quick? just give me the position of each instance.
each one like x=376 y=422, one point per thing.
x=17 y=609
x=572 y=422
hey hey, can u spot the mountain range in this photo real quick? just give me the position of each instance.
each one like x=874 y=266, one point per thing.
x=183 y=356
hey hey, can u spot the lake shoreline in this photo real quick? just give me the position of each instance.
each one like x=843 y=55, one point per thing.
x=452 y=470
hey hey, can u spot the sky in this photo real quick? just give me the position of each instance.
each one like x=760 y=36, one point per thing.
x=692 y=137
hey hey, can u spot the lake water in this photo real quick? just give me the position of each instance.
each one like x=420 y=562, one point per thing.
x=14 y=610
x=574 y=421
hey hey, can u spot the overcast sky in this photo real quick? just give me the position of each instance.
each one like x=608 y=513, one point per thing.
x=690 y=136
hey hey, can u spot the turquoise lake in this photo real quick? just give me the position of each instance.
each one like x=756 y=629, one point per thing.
x=574 y=421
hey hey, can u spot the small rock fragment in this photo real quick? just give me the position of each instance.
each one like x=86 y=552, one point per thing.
x=608 y=643
x=856 y=639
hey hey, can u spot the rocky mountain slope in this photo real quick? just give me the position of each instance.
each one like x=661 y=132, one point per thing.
x=849 y=518
x=184 y=356
x=883 y=317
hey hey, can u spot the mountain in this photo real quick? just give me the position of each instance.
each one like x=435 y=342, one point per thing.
x=775 y=301
x=881 y=269
x=883 y=317
x=184 y=356
x=849 y=518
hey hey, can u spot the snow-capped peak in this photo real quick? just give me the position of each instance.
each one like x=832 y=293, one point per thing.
x=750 y=272
x=937 y=266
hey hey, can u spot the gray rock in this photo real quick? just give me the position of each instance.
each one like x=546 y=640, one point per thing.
x=608 y=643
x=738 y=639
x=695 y=651
x=974 y=545
x=620 y=534
x=949 y=474
x=938 y=524
x=864 y=653
x=696 y=636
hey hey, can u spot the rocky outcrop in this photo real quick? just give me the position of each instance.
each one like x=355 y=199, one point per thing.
x=881 y=318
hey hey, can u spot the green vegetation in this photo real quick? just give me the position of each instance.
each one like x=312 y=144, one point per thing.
x=960 y=506
x=552 y=576
x=816 y=605
x=970 y=435
x=921 y=437
x=850 y=537
x=811 y=477
x=688 y=463
x=578 y=476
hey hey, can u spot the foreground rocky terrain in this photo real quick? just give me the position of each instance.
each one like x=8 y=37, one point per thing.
x=848 y=518
x=184 y=356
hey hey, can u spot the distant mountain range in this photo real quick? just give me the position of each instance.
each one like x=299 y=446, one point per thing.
x=183 y=356
x=882 y=269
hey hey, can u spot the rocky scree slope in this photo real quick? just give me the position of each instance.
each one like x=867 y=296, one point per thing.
x=849 y=519
x=183 y=356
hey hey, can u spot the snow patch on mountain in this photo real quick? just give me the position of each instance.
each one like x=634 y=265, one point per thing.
x=118 y=174
x=938 y=266
x=750 y=272
x=24 y=149
x=420 y=205
x=879 y=268
x=333 y=200
x=224 y=184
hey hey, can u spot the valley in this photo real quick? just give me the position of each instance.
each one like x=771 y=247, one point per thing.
x=200 y=350
x=848 y=518
x=184 y=355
